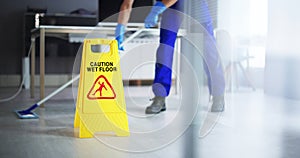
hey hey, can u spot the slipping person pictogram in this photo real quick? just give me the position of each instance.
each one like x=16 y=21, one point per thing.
x=104 y=88
x=102 y=85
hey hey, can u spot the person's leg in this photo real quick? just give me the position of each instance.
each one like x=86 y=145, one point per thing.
x=212 y=62
x=170 y=23
x=214 y=72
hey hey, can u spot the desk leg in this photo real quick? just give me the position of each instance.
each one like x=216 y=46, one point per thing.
x=32 y=67
x=42 y=64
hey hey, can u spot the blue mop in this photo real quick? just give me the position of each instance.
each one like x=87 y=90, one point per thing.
x=29 y=114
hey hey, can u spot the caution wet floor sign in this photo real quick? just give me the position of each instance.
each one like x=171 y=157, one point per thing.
x=100 y=105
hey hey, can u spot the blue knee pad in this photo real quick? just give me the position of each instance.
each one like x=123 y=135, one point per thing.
x=163 y=67
x=162 y=81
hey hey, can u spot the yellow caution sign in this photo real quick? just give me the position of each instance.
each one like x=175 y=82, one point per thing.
x=100 y=102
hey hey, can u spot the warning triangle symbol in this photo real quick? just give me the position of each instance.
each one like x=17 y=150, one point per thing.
x=101 y=89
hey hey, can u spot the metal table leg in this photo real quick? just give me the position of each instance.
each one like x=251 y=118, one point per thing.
x=32 y=74
x=42 y=64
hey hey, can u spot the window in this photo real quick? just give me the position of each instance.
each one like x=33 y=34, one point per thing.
x=258 y=32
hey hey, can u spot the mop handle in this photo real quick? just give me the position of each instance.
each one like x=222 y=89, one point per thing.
x=78 y=76
x=132 y=36
x=58 y=90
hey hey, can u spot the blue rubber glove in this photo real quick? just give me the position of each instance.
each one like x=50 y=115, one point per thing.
x=152 y=18
x=119 y=34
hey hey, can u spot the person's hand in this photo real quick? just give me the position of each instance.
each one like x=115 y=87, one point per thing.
x=119 y=34
x=152 y=18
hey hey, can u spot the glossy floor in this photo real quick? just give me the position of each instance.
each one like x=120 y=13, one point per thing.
x=254 y=125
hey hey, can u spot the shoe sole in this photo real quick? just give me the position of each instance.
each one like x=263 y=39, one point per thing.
x=162 y=110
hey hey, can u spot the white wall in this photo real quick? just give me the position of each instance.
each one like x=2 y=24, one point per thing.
x=282 y=74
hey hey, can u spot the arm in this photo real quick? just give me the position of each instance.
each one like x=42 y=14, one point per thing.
x=125 y=11
x=168 y=3
x=126 y=7
x=123 y=18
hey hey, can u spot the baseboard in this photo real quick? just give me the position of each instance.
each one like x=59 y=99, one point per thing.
x=10 y=80
x=50 y=80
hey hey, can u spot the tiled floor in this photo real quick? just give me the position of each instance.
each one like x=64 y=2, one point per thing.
x=254 y=125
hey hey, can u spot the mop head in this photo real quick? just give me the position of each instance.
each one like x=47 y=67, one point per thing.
x=28 y=114
x=24 y=114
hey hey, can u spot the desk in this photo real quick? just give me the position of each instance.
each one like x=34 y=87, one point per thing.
x=45 y=30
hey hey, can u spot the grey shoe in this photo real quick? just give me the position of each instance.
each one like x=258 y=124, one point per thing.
x=218 y=104
x=158 y=105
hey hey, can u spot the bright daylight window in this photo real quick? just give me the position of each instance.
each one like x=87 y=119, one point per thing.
x=258 y=32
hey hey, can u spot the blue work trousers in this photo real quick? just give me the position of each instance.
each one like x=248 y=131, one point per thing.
x=170 y=24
